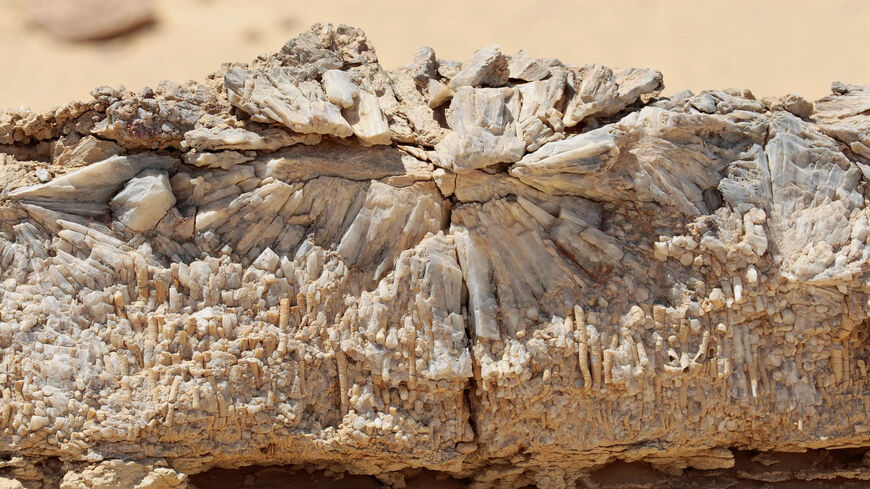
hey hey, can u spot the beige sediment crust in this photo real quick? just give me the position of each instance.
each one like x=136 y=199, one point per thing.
x=510 y=270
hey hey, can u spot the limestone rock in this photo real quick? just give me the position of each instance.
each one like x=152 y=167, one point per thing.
x=438 y=93
x=486 y=67
x=512 y=271
x=339 y=89
x=334 y=159
x=483 y=130
x=524 y=67
x=86 y=151
x=596 y=91
x=477 y=148
x=273 y=97
x=6 y=483
x=86 y=191
x=841 y=116
x=149 y=122
x=116 y=474
x=144 y=201
x=425 y=66
x=414 y=120
x=367 y=121
x=266 y=138
x=305 y=89
x=223 y=160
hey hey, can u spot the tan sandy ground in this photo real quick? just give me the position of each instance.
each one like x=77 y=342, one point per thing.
x=771 y=47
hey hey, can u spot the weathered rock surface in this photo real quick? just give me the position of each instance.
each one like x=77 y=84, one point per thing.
x=511 y=271
x=116 y=473
x=144 y=201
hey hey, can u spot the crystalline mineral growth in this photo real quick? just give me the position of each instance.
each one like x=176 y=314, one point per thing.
x=513 y=271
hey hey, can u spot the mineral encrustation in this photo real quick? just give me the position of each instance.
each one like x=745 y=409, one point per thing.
x=510 y=270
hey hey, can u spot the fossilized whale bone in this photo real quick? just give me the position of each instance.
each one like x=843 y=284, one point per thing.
x=511 y=270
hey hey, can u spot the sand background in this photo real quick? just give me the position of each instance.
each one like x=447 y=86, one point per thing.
x=772 y=47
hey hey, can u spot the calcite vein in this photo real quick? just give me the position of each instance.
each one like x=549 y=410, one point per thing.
x=511 y=270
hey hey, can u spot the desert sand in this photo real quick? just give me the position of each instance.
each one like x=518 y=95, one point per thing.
x=770 y=47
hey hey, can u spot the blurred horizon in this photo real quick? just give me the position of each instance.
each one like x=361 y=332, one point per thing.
x=772 y=47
